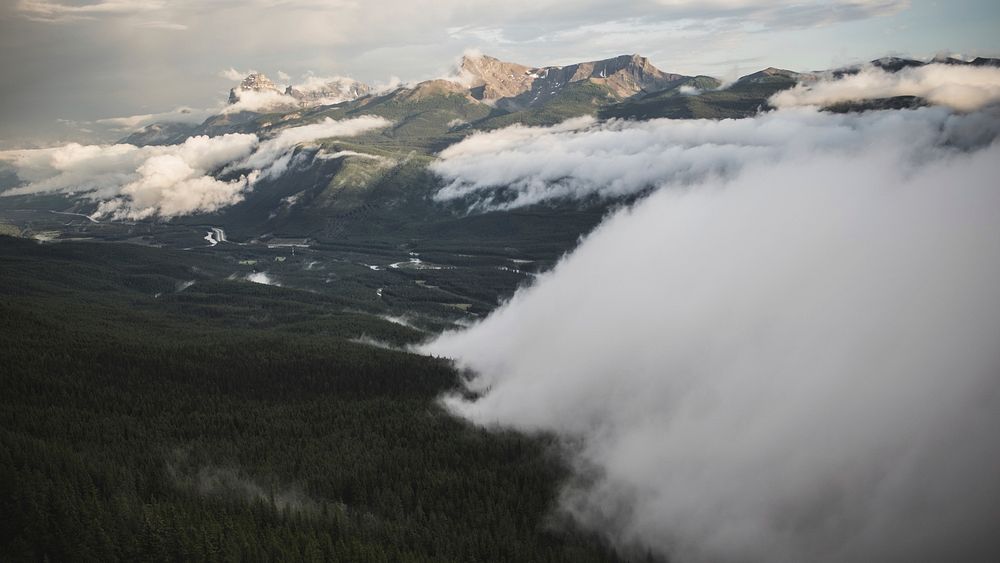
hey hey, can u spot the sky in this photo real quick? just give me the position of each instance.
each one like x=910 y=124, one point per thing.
x=69 y=62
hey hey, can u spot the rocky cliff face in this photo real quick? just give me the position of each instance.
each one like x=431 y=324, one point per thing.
x=254 y=82
x=516 y=86
x=492 y=79
x=626 y=75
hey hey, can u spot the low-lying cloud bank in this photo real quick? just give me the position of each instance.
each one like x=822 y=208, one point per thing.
x=793 y=361
x=276 y=152
x=266 y=101
x=583 y=158
x=133 y=182
x=965 y=88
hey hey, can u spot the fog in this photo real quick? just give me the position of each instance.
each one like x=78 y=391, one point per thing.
x=271 y=151
x=965 y=88
x=582 y=158
x=262 y=278
x=790 y=357
x=130 y=182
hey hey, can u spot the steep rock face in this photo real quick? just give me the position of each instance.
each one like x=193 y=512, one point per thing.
x=515 y=86
x=626 y=75
x=254 y=82
x=492 y=79
x=257 y=82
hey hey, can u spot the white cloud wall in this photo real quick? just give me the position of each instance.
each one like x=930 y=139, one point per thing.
x=132 y=182
x=965 y=88
x=796 y=361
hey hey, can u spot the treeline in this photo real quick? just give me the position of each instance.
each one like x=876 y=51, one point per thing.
x=139 y=429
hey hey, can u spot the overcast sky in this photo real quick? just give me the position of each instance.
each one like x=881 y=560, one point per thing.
x=82 y=60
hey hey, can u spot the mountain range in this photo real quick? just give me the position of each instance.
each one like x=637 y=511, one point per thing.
x=380 y=182
x=484 y=93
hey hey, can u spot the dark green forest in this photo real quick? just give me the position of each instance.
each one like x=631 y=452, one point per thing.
x=239 y=422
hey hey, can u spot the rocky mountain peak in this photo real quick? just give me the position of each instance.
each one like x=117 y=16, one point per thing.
x=257 y=81
x=515 y=85
x=254 y=82
x=490 y=78
x=627 y=75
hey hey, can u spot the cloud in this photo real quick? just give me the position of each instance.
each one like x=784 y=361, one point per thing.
x=56 y=12
x=216 y=481
x=380 y=88
x=318 y=90
x=168 y=186
x=261 y=102
x=412 y=40
x=165 y=25
x=328 y=90
x=323 y=155
x=965 y=88
x=583 y=158
x=234 y=75
x=138 y=182
x=274 y=154
x=482 y=20
x=796 y=363
x=493 y=35
x=312 y=83
x=794 y=13
x=336 y=89
x=132 y=182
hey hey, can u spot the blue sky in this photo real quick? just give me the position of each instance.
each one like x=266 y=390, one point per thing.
x=89 y=59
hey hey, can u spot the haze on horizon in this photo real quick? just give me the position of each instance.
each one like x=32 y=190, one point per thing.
x=70 y=62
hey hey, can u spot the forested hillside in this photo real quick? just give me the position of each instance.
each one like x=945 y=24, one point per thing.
x=240 y=422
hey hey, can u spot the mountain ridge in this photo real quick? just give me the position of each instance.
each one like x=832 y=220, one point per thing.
x=484 y=92
x=515 y=86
